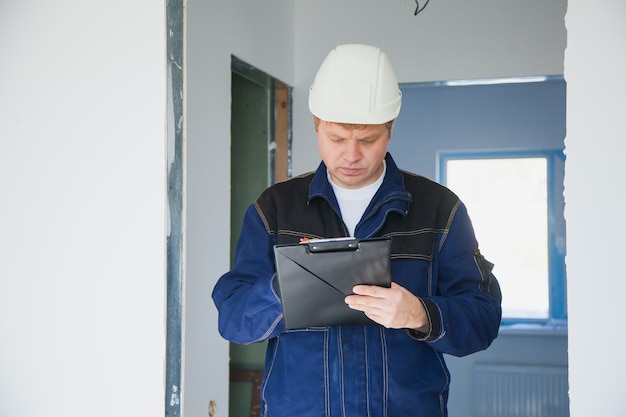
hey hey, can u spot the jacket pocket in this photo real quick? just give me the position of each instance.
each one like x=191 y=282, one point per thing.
x=489 y=283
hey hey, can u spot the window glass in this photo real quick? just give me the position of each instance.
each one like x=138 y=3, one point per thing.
x=507 y=200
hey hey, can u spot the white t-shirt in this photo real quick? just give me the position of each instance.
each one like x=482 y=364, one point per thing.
x=353 y=202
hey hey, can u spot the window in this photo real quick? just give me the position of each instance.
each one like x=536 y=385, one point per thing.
x=512 y=200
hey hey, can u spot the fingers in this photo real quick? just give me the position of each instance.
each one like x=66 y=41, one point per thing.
x=373 y=290
x=376 y=302
x=371 y=296
x=393 y=307
x=367 y=306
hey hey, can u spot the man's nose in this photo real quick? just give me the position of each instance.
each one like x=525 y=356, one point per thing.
x=352 y=151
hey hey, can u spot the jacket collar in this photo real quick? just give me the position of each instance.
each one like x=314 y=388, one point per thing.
x=391 y=188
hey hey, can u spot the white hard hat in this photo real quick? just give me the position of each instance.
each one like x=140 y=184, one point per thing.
x=355 y=84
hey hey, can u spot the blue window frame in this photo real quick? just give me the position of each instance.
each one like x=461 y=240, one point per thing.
x=552 y=161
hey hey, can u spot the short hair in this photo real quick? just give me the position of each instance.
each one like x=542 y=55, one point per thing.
x=388 y=125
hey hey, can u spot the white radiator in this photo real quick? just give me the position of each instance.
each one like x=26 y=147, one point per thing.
x=520 y=391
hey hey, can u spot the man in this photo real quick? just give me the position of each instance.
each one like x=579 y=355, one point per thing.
x=438 y=302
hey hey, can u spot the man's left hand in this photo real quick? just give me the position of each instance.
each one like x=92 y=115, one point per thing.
x=395 y=307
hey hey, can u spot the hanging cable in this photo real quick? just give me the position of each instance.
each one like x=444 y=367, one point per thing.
x=418 y=9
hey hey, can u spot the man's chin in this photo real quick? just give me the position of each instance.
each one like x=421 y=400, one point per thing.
x=351 y=182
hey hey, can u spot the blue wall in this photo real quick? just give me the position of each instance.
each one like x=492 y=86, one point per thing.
x=436 y=117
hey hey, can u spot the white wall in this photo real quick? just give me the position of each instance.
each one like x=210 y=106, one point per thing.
x=595 y=65
x=82 y=218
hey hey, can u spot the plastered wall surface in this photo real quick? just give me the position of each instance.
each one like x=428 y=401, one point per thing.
x=82 y=218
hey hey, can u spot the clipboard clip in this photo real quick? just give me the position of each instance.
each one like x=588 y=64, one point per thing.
x=332 y=245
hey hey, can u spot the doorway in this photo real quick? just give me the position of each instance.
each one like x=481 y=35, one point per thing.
x=260 y=156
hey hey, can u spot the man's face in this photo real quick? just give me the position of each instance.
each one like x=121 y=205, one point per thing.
x=353 y=155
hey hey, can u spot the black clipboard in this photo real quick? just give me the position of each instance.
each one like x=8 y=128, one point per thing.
x=314 y=278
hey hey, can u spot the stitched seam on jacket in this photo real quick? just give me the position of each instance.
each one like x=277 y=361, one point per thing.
x=270 y=329
x=430 y=277
x=415 y=232
x=263 y=218
x=339 y=343
x=383 y=341
x=298 y=234
x=449 y=224
x=269 y=373
x=410 y=256
x=326 y=375
x=367 y=373
x=442 y=403
x=428 y=316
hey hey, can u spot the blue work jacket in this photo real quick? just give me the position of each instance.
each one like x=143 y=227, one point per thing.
x=361 y=370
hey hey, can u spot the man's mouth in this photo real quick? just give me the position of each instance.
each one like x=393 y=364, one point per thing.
x=351 y=171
